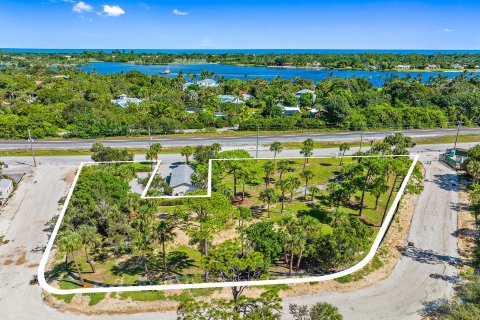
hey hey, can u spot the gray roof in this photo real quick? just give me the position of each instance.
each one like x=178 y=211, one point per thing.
x=5 y=183
x=181 y=175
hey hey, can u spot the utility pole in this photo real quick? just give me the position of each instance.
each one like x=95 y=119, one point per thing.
x=361 y=139
x=31 y=148
x=459 y=123
x=256 y=153
x=150 y=138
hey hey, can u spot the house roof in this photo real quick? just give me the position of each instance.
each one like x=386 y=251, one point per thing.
x=181 y=175
x=5 y=183
x=306 y=91
x=123 y=100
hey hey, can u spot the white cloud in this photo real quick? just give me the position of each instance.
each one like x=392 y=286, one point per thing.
x=113 y=11
x=447 y=30
x=81 y=7
x=179 y=13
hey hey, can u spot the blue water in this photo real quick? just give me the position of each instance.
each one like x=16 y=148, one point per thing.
x=248 y=51
x=241 y=72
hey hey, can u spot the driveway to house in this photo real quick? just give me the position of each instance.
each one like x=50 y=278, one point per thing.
x=423 y=274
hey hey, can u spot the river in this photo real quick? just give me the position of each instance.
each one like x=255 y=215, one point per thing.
x=378 y=78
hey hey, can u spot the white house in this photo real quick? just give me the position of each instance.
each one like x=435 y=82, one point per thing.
x=61 y=76
x=230 y=98
x=288 y=110
x=6 y=188
x=404 y=66
x=305 y=91
x=181 y=181
x=207 y=83
x=123 y=101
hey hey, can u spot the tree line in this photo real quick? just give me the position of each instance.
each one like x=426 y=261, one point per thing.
x=80 y=106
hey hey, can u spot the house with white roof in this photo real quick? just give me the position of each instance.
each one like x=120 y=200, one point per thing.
x=181 y=180
x=289 y=110
x=207 y=83
x=305 y=91
x=6 y=188
x=61 y=76
x=124 y=101
x=230 y=98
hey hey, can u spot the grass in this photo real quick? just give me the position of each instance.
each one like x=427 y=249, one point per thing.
x=95 y=298
x=142 y=295
x=73 y=152
x=185 y=260
x=373 y=265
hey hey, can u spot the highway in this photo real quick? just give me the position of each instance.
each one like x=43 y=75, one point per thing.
x=227 y=139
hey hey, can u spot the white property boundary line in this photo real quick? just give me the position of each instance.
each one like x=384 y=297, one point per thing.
x=147 y=187
x=381 y=233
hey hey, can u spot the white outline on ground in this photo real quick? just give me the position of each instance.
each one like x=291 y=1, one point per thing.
x=376 y=243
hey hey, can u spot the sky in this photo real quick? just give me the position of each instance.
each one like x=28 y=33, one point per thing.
x=247 y=24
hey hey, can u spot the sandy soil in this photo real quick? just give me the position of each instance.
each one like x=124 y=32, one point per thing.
x=466 y=225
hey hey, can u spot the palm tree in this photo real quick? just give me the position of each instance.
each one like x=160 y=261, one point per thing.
x=89 y=238
x=313 y=190
x=165 y=233
x=269 y=169
x=268 y=196
x=153 y=151
x=293 y=183
x=378 y=187
x=343 y=148
x=276 y=147
x=307 y=175
x=283 y=185
x=69 y=241
x=187 y=151
x=308 y=225
x=307 y=151
x=284 y=166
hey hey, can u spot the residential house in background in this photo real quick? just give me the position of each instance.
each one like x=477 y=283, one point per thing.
x=181 y=181
x=207 y=83
x=288 y=110
x=230 y=98
x=61 y=76
x=123 y=101
x=404 y=66
x=305 y=91
x=6 y=188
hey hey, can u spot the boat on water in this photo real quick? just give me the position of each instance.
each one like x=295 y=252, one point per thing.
x=166 y=71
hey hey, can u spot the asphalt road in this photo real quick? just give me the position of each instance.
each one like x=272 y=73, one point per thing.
x=227 y=140
x=423 y=274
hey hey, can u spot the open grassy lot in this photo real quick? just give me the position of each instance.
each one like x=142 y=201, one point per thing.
x=129 y=248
